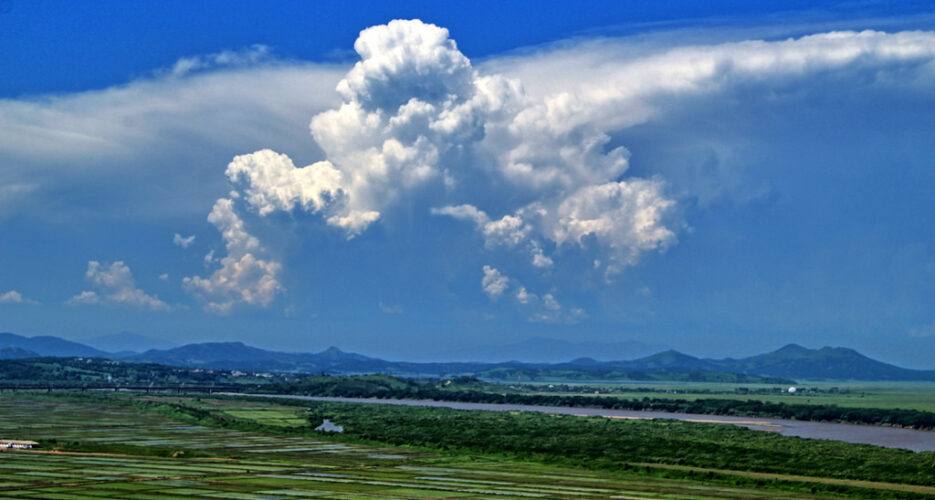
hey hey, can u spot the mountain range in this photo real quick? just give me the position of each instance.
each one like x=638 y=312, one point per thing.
x=47 y=345
x=789 y=362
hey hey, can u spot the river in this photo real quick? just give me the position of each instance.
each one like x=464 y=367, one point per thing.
x=889 y=437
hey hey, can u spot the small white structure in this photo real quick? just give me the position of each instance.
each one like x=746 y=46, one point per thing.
x=792 y=390
x=19 y=445
x=327 y=426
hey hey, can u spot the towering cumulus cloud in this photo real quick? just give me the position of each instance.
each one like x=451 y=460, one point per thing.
x=531 y=171
x=407 y=105
x=416 y=112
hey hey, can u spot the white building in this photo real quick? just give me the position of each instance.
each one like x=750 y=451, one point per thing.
x=327 y=426
x=21 y=445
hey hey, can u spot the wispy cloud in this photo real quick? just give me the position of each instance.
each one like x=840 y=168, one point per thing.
x=126 y=148
x=251 y=56
x=923 y=331
x=183 y=241
x=390 y=309
x=540 y=308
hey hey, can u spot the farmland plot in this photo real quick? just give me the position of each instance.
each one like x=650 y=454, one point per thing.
x=227 y=463
x=78 y=476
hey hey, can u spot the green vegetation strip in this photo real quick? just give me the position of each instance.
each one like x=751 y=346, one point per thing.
x=468 y=390
x=927 y=490
x=598 y=443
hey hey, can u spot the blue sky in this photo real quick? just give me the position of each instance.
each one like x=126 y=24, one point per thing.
x=719 y=177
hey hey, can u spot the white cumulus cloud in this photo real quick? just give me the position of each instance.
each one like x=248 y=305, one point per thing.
x=14 y=297
x=114 y=284
x=539 y=259
x=414 y=108
x=509 y=230
x=407 y=106
x=627 y=217
x=416 y=112
x=243 y=277
x=546 y=308
x=541 y=308
x=494 y=283
x=274 y=183
x=523 y=296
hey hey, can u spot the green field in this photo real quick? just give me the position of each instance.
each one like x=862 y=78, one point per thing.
x=126 y=446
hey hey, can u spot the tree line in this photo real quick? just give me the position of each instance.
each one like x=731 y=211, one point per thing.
x=468 y=390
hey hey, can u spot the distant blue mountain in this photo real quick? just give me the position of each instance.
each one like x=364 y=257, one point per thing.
x=789 y=362
x=16 y=353
x=49 y=346
x=239 y=356
x=127 y=341
x=836 y=363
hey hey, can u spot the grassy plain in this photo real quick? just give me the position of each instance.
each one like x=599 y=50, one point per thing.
x=127 y=446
